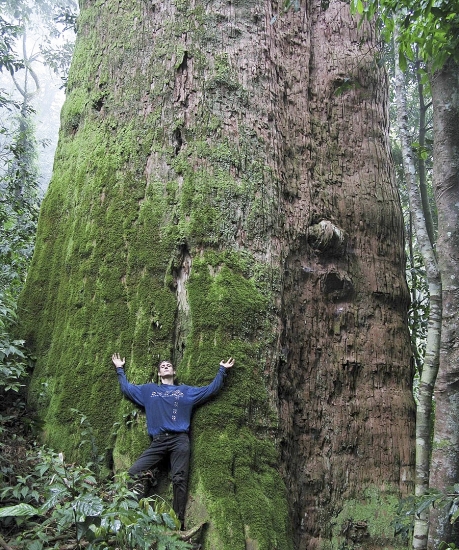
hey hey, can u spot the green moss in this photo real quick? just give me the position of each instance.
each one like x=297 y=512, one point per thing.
x=367 y=522
x=223 y=74
x=234 y=468
x=442 y=444
x=236 y=475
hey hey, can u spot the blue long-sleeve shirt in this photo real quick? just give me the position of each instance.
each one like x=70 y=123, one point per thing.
x=168 y=408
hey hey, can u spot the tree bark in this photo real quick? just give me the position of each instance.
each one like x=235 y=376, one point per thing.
x=344 y=391
x=445 y=456
x=223 y=186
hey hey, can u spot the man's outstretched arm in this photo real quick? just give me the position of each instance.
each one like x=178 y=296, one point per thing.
x=203 y=393
x=131 y=391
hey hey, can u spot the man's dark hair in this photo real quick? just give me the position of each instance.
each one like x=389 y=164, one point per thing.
x=156 y=376
x=165 y=361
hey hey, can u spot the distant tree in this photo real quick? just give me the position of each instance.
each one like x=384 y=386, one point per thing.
x=19 y=191
x=8 y=34
x=23 y=25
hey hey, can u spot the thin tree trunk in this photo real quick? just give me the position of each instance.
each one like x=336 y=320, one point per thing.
x=423 y=107
x=445 y=455
x=23 y=170
x=431 y=360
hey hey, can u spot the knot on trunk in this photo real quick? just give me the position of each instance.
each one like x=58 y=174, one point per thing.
x=326 y=237
x=337 y=286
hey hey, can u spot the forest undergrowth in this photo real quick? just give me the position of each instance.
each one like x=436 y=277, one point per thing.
x=49 y=503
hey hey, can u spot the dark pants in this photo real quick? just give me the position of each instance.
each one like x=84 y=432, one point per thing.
x=177 y=447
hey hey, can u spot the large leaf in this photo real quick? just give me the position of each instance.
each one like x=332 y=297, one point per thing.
x=88 y=505
x=84 y=528
x=168 y=521
x=19 y=510
x=57 y=494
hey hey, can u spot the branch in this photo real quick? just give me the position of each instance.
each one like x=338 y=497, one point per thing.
x=4 y=545
x=185 y=535
x=19 y=88
x=37 y=82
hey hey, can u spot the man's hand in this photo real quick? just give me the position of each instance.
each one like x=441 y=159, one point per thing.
x=117 y=361
x=228 y=364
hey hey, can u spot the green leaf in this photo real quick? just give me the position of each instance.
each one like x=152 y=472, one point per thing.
x=407 y=21
x=402 y=60
x=19 y=510
x=88 y=505
x=168 y=521
x=84 y=527
x=57 y=494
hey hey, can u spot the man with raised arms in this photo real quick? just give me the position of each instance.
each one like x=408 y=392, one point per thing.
x=168 y=409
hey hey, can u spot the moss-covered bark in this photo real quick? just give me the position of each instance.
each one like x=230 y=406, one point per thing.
x=137 y=253
x=194 y=157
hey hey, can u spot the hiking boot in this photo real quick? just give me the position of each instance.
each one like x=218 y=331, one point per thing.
x=149 y=481
x=137 y=486
x=142 y=484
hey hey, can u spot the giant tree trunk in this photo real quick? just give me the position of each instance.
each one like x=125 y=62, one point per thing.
x=445 y=456
x=222 y=187
x=346 y=404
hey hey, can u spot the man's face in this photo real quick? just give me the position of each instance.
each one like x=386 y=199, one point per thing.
x=166 y=369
